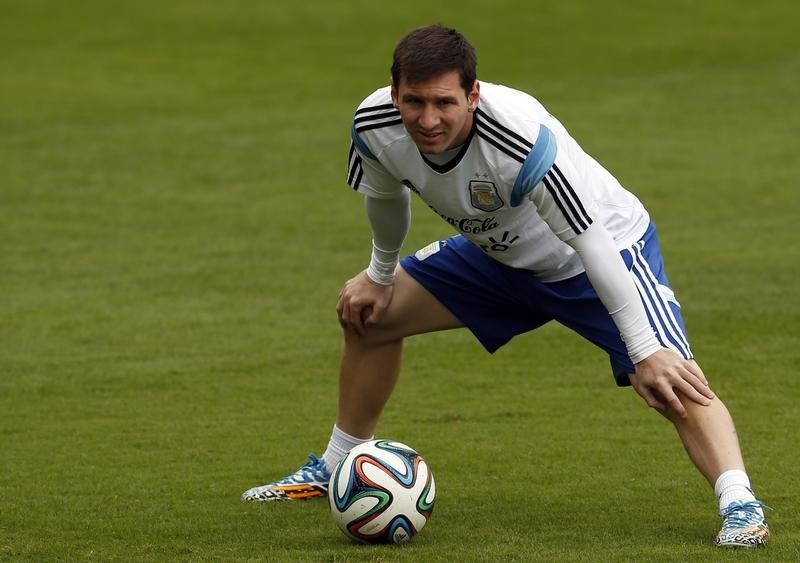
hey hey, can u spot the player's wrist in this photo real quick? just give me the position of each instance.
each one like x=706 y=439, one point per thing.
x=382 y=265
x=641 y=348
x=376 y=276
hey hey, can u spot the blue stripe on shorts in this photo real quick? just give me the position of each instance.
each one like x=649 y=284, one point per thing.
x=497 y=302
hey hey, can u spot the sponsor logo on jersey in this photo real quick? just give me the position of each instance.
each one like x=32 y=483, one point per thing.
x=500 y=245
x=472 y=226
x=483 y=195
x=469 y=225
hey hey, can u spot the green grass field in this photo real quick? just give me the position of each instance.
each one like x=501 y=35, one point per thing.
x=175 y=228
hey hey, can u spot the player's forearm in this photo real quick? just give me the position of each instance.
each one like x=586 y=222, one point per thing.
x=616 y=290
x=390 y=220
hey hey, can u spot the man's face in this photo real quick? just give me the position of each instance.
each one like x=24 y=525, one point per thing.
x=437 y=113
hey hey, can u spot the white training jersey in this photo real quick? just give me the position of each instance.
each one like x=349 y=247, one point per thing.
x=518 y=188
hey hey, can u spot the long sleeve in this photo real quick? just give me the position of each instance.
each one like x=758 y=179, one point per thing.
x=616 y=289
x=390 y=219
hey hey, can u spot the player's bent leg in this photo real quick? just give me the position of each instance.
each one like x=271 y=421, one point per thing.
x=370 y=363
x=370 y=366
x=413 y=310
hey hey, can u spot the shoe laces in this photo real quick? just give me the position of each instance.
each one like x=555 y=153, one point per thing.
x=313 y=470
x=743 y=514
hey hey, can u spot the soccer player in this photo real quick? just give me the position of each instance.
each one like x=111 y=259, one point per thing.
x=544 y=232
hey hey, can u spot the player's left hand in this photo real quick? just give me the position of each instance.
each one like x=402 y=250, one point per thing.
x=659 y=376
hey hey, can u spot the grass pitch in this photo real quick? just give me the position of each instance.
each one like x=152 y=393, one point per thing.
x=175 y=228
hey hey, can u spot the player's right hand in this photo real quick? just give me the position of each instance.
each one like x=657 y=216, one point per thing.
x=660 y=376
x=362 y=303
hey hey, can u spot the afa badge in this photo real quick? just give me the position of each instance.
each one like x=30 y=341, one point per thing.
x=483 y=195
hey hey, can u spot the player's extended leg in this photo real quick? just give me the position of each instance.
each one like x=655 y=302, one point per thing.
x=370 y=366
x=709 y=437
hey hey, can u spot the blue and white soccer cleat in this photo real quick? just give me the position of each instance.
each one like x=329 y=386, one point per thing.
x=743 y=525
x=309 y=481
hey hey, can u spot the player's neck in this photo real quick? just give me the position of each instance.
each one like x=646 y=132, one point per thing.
x=443 y=158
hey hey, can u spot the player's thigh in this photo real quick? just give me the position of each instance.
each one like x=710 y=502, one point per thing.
x=414 y=310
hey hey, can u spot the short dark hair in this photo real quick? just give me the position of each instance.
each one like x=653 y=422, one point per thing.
x=431 y=51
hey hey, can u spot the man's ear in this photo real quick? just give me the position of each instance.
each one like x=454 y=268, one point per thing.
x=394 y=95
x=474 y=96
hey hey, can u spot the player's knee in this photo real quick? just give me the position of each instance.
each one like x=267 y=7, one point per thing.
x=669 y=413
x=663 y=407
x=371 y=336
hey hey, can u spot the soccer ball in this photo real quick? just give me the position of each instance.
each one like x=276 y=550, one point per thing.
x=381 y=492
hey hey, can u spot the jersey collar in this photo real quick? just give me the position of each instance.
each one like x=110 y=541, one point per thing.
x=453 y=162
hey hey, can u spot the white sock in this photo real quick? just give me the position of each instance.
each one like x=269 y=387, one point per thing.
x=733 y=485
x=340 y=443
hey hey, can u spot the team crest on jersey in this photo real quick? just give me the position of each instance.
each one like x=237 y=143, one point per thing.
x=483 y=195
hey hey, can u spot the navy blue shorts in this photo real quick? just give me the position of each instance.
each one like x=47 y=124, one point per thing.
x=497 y=302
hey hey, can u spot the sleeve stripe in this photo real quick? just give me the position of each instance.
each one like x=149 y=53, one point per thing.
x=501 y=148
x=379 y=124
x=581 y=210
x=358 y=143
x=525 y=142
x=377 y=116
x=567 y=201
x=371 y=109
x=509 y=145
x=357 y=181
x=514 y=145
x=355 y=171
